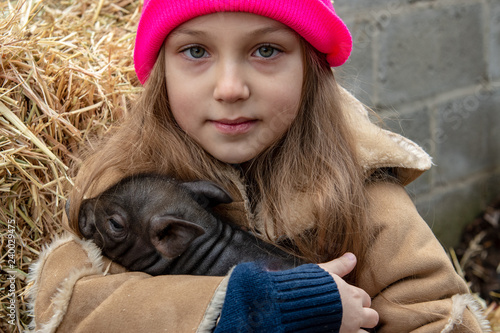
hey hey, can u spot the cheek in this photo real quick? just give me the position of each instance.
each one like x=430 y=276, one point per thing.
x=179 y=93
x=180 y=104
x=281 y=122
x=178 y=116
x=286 y=91
x=285 y=109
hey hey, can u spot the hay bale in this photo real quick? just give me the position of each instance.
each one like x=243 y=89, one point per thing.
x=66 y=75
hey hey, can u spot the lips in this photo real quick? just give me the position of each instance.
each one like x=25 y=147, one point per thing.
x=234 y=126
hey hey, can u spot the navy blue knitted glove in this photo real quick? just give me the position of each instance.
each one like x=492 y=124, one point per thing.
x=302 y=299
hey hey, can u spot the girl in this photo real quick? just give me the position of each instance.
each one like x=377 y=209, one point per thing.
x=241 y=93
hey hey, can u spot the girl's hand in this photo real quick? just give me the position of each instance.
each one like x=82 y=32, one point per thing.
x=356 y=303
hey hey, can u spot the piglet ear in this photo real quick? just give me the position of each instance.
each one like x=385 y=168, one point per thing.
x=207 y=194
x=172 y=236
x=86 y=218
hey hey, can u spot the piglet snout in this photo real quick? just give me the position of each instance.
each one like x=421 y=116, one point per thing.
x=172 y=236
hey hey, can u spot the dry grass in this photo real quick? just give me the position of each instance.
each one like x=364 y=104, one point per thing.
x=66 y=74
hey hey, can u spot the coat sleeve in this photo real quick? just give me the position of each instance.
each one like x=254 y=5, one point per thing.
x=74 y=289
x=408 y=274
x=301 y=299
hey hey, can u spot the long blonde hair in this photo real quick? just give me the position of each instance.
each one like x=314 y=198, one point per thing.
x=314 y=162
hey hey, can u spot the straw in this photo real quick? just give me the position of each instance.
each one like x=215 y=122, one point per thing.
x=66 y=75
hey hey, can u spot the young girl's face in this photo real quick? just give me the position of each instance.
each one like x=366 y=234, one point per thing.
x=234 y=82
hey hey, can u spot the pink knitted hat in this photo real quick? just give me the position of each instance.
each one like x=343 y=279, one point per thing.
x=314 y=20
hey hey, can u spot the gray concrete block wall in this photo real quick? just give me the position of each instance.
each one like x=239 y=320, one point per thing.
x=493 y=8
x=431 y=69
x=432 y=57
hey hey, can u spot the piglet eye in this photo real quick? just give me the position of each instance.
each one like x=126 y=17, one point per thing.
x=115 y=225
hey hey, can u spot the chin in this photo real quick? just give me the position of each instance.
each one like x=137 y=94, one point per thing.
x=235 y=154
x=232 y=159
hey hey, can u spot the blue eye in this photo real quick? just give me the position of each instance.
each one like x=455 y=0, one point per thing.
x=266 y=51
x=195 y=52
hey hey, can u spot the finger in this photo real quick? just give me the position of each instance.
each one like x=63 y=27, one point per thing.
x=340 y=266
x=366 y=300
x=370 y=319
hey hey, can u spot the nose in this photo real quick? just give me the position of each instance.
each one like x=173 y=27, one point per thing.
x=231 y=85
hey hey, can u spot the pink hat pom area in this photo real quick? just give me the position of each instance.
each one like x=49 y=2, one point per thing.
x=315 y=20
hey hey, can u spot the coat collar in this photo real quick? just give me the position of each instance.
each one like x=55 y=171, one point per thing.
x=379 y=148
